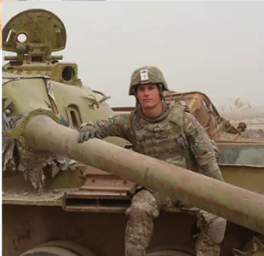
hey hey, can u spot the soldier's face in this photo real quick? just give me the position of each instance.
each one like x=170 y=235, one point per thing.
x=148 y=95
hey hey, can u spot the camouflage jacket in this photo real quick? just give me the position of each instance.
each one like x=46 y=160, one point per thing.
x=175 y=137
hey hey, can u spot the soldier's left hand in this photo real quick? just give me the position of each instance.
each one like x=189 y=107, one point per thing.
x=87 y=132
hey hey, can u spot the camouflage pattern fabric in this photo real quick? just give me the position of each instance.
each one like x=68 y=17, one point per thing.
x=147 y=75
x=175 y=137
x=212 y=230
x=146 y=206
x=143 y=210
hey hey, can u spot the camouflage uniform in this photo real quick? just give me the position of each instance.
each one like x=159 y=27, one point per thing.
x=175 y=137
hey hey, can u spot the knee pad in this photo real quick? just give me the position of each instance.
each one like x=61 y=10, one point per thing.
x=205 y=246
x=216 y=230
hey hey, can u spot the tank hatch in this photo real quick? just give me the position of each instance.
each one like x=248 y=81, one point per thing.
x=34 y=31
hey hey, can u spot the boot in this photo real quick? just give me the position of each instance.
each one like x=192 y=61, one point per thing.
x=134 y=252
x=205 y=246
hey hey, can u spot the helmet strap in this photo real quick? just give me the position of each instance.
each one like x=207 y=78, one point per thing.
x=160 y=91
x=134 y=91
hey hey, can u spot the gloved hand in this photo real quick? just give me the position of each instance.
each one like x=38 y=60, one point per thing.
x=87 y=132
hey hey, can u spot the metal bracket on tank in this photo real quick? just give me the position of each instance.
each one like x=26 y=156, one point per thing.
x=104 y=96
x=17 y=132
x=93 y=100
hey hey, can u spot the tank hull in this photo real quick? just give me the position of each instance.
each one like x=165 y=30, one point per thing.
x=39 y=224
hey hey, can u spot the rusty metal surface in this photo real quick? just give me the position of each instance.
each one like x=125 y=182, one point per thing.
x=33 y=198
x=102 y=233
x=101 y=192
x=97 y=179
x=192 y=99
x=75 y=201
x=123 y=109
x=52 y=36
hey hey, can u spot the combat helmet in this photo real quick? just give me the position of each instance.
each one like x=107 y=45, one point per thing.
x=147 y=75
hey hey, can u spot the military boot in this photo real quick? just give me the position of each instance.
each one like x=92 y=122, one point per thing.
x=134 y=252
x=205 y=246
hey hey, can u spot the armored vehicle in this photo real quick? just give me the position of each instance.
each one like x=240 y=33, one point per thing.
x=65 y=198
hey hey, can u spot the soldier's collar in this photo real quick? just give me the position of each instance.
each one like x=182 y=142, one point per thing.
x=161 y=117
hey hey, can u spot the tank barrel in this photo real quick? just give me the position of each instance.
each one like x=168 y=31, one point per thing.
x=238 y=205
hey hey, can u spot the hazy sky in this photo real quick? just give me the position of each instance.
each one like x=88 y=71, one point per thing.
x=213 y=47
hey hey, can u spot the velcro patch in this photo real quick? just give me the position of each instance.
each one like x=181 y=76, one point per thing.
x=144 y=75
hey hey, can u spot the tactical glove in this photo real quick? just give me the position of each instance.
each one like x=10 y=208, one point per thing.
x=87 y=132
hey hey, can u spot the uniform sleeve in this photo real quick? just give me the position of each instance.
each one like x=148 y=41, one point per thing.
x=117 y=125
x=202 y=148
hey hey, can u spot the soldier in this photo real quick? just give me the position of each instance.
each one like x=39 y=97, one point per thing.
x=167 y=132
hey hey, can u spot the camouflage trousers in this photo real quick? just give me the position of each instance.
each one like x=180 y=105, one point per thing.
x=145 y=207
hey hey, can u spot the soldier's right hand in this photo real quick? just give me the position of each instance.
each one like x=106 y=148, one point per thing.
x=87 y=132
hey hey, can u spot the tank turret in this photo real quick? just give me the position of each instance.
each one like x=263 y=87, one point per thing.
x=34 y=35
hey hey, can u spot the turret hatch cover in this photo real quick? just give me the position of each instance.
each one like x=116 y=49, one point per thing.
x=35 y=27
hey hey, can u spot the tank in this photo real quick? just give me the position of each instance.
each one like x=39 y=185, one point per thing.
x=64 y=198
